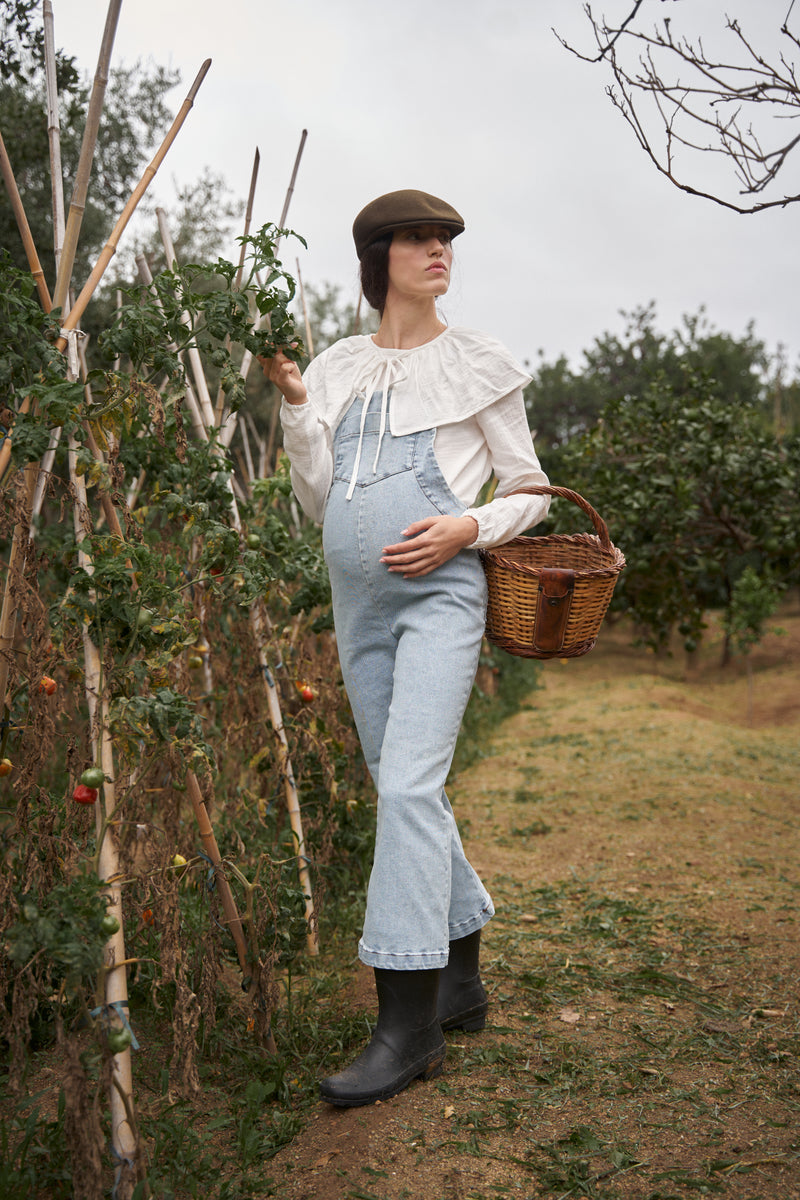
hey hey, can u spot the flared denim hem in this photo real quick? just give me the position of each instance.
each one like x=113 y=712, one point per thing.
x=427 y=960
x=465 y=928
x=387 y=961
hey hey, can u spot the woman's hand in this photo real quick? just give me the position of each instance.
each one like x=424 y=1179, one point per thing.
x=430 y=543
x=286 y=376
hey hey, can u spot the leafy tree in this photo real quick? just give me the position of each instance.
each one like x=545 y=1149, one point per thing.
x=563 y=403
x=695 y=489
x=135 y=116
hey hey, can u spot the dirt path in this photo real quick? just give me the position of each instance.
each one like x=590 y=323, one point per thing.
x=639 y=835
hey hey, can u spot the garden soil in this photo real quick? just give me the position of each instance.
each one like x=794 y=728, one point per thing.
x=636 y=823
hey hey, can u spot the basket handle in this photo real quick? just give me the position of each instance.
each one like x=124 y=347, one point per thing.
x=541 y=489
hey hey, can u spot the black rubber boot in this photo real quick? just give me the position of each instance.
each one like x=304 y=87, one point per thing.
x=407 y=1043
x=463 y=1003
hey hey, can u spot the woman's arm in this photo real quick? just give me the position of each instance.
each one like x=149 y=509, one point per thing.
x=515 y=464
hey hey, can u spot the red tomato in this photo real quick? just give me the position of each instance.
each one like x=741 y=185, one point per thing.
x=47 y=685
x=84 y=794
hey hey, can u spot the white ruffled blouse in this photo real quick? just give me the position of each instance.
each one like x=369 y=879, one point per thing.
x=464 y=384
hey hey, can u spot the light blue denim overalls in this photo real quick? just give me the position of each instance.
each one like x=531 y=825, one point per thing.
x=409 y=652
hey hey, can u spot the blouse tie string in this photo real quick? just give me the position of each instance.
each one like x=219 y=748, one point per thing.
x=388 y=373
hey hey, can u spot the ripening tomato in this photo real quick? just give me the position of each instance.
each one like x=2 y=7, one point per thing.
x=47 y=685
x=307 y=694
x=6 y=767
x=147 y=916
x=84 y=794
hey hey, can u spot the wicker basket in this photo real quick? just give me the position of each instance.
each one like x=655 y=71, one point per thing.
x=548 y=595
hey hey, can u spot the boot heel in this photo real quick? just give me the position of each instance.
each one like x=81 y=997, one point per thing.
x=433 y=1071
x=473 y=1024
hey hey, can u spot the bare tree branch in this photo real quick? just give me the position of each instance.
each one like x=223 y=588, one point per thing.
x=678 y=97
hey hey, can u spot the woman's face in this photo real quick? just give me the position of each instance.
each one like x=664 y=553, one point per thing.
x=419 y=262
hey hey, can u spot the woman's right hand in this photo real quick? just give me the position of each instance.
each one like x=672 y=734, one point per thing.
x=286 y=376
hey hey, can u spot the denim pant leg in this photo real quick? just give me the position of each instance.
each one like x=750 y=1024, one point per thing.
x=422 y=890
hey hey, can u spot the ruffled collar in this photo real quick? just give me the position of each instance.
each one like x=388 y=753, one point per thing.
x=441 y=382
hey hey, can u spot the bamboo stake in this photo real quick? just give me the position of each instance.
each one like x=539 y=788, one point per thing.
x=248 y=216
x=118 y=306
x=258 y=622
x=309 y=339
x=24 y=229
x=79 y=192
x=248 y=457
x=110 y=247
x=225 y=894
x=198 y=425
x=247 y=357
x=290 y=190
x=53 y=131
x=5 y=448
x=123 y=1133
x=16 y=566
x=195 y=362
x=262 y=446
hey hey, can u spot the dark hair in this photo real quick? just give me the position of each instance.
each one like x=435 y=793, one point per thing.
x=375 y=271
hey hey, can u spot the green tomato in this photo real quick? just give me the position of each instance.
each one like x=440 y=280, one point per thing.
x=118 y=1040
x=109 y=924
x=144 y=619
x=93 y=777
x=254 y=541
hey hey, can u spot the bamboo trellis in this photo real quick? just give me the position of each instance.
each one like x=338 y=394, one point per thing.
x=204 y=417
x=124 y=1134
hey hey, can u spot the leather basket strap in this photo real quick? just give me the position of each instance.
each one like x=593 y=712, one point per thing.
x=554 y=601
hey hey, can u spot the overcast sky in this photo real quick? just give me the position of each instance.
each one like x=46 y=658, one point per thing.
x=474 y=101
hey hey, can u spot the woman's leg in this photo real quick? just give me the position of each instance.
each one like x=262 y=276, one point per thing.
x=420 y=877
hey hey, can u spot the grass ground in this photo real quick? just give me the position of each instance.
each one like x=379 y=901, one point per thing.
x=636 y=823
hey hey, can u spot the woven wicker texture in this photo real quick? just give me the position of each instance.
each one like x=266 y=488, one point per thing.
x=513 y=574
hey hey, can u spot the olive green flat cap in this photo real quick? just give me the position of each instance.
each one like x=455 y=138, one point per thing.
x=401 y=210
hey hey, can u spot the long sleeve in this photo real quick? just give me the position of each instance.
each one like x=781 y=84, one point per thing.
x=504 y=427
x=307 y=441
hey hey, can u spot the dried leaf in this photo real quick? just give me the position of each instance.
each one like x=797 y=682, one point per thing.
x=325 y=1159
x=569 y=1016
x=448 y=1112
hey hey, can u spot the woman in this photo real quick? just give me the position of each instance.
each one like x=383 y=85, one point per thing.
x=390 y=439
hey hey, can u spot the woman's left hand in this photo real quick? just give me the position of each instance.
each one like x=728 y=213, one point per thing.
x=429 y=544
